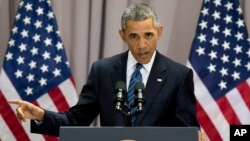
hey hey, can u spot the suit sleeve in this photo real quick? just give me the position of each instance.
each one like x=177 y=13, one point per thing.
x=186 y=102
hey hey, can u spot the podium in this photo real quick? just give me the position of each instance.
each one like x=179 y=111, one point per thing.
x=79 y=133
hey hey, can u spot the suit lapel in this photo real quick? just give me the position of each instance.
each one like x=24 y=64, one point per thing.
x=118 y=73
x=156 y=80
x=119 y=69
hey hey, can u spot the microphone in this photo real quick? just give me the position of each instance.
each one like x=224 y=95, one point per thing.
x=120 y=90
x=139 y=100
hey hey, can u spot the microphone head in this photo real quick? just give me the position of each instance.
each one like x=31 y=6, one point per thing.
x=139 y=85
x=118 y=100
x=120 y=85
x=139 y=99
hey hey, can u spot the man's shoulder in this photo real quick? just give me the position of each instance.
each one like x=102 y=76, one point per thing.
x=169 y=61
x=172 y=65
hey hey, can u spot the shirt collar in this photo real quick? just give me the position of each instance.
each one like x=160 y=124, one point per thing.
x=132 y=61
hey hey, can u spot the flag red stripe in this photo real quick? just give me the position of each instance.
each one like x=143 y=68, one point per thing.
x=35 y=103
x=50 y=138
x=228 y=111
x=244 y=90
x=207 y=125
x=58 y=98
x=10 y=118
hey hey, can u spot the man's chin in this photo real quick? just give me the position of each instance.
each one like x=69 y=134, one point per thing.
x=143 y=60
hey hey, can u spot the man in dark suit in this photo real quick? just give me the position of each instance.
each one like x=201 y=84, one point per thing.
x=169 y=89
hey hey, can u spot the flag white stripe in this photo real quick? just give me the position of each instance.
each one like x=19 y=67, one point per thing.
x=248 y=81
x=210 y=106
x=69 y=91
x=7 y=88
x=5 y=133
x=45 y=102
x=239 y=106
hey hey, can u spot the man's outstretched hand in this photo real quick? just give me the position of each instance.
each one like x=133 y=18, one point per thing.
x=26 y=110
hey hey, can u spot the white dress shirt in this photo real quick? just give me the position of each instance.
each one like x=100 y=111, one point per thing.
x=145 y=70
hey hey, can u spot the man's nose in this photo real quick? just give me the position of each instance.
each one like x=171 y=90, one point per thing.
x=141 y=43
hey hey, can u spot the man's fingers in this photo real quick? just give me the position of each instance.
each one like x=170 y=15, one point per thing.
x=17 y=102
x=22 y=104
x=19 y=109
x=20 y=118
x=20 y=114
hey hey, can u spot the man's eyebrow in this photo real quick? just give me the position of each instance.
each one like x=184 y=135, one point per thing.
x=149 y=32
x=132 y=34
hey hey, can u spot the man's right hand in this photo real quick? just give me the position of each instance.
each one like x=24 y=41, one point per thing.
x=27 y=110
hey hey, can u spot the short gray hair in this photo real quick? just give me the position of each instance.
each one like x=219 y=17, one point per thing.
x=139 y=12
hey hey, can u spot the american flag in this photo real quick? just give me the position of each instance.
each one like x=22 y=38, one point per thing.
x=220 y=58
x=35 y=69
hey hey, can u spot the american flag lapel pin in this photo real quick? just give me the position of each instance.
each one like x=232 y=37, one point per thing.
x=159 y=80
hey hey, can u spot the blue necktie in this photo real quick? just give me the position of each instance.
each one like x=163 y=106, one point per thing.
x=135 y=78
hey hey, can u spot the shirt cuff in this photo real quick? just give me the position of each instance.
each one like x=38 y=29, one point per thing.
x=38 y=122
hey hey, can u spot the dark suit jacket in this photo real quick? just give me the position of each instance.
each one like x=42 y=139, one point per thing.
x=170 y=102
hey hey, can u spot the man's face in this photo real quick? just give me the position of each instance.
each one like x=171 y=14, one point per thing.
x=141 y=38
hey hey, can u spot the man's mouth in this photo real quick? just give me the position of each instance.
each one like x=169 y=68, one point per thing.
x=143 y=53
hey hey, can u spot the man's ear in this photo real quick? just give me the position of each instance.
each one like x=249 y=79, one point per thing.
x=122 y=34
x=159 y=31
